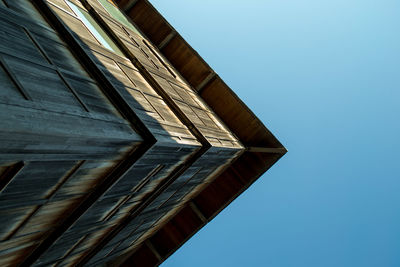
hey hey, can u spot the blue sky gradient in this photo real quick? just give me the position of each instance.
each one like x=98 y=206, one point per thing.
x=324 y=77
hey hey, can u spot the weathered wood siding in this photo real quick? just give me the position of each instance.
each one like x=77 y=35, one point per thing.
x=121 y=73
x=124 y=75
x=62 y=128
x=178 y=90
x=55 y=123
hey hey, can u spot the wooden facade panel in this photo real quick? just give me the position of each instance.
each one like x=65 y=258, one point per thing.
x=106 y=61
x=12 y=246
x=16 y=42
x=153 y=60
x=131 y=44
x=150 y=170
x=34 y=121
x=197 y=111
x=43 y=84
x=76 y=26
x=13 y=256
x=213 y=126
x=10 y=218
x=168 y=88
x=175 y=131
x=137 y=79
x=56 y=210
x=187 y=96
x=23 y=191
x=86 y=177
x=149 y=57
x=8 y=88
x=60 y=55
x=64 y=199
x=116 y=27
x=26 y=55
x=43 y=147
x=90 y=94
x=137 y=92
x=27 y=10
x=190 y=113
x=139 y=101
x=205 y=118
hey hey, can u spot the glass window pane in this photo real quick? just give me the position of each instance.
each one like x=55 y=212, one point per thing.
x=95 y=29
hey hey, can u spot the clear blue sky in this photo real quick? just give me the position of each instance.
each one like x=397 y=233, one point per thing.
x=324 y=77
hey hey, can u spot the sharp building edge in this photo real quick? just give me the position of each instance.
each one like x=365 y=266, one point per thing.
x=117 y=141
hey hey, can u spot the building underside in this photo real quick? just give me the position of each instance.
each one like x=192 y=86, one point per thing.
x=117 y=141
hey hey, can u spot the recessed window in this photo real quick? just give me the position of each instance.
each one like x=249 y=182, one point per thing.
x=95 y=29
x=114 y=11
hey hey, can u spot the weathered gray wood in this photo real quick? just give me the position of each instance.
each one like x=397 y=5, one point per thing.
x=93 y=218
x=69 y=119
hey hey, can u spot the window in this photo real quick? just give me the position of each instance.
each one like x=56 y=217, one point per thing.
x=95 y=29
x=117 y=14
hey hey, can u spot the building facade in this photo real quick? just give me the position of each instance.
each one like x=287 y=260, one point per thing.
x=118 y=142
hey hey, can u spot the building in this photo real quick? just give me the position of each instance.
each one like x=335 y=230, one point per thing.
x=118 y=142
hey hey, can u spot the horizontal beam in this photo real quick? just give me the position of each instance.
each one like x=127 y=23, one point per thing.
x=196 y=210
x=167 y=39
x=206 y=80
